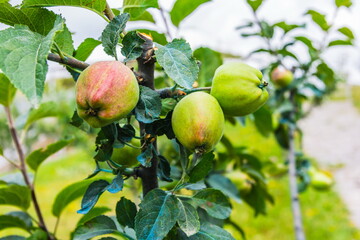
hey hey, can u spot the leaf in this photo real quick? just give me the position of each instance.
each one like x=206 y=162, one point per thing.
x=288 y=27
x=132 y=46
x=340 y=43
x=78 y=122
x=38 y=20
x=161 y=127
x=126 y=133
x=38 y=234
x=183 y=8
x=13 y=237
x=222 y=183
x=263 y=121
x=145 y=157
x=164 y=169
x=319 y=19
x=210 y=61
x=47 y=109
x=254 y=4
x=35 y=158
x=188 y=219
x=97 y=6
x=86 y=48
x=92 y=195
x=116 y=185
x=97 y=226
x=156 y=36
x=96 y=211
x=157 y=215
x=137 y=7
x=345 y=3
x=167 y=105
x=202 y=169
x=210 y=231
x=146 y=16
x=111 y=34
x=126 y=212
x=214 y=202
x=148 y=108
x=23 y=216
x=68 y=195
x=7 y=91
x=306 y=41
x=347 y=32
x=23 y=56
x=9 y=221
x=284 y=52
x=177 y=61
x=15 y=195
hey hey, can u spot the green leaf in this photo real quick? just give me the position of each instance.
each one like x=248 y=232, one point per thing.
x=148 y=108
x=7 y=91
x=126 y=212
x=146 y=16
x=158 y=214
x=345 y=3
x=183 y=8
x=136 y=8
x=95 y=227
x=68 y=195
x=164 y=169
x=202 y=169
x=145 y=157
x=132 y=46
x=288 y=27
x=177 y=61
x=306 y=41
x=86 y=48
x=47 y=109
x=38 y=20
x=97 y=6
x=284 y=52
x=347 y=32
x=96 y=211
x=116 y=184
x=15 y=195
x=254 y=4
x=266 y=29
x=23 y=56
x=35 y=158
x=92 y=195
x=167 y=105
x=111 y=34
x=9 y=221
x=38 y=234
x=319 y=19
x=263 y=121
x=13 y=237
x=210 y=61
x=24 y=216
x=222 y=183
x=210 y=231
x=1 y=151
x=156 y=36
x=214 y=202
x=78 y=122
x=188 y=219
x=340 y=42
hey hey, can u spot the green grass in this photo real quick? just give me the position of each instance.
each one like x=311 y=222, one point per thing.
x=325 y=216
x=355 y=93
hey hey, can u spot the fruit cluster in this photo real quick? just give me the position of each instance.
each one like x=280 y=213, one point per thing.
x=108 y=91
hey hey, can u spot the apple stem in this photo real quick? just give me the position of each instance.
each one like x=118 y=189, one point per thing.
x=263 y=85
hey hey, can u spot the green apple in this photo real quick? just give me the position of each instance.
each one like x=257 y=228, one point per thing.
x=239 y=88
x=241 y=180
x=198 y=122
x=320 y=180
x=126 y=156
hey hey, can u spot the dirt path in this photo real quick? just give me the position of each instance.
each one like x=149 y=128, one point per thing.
x=332 y=136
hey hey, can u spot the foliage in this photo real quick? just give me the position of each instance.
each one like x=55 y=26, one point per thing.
x=195 y=197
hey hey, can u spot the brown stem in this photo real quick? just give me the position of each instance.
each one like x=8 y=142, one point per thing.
x=72 y=62
x=24 y=173
x=146 y=68
x=108 y=12
x=170 y=93
x=294 y=194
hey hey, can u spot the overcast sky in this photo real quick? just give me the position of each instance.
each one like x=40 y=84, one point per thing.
x=213 y=25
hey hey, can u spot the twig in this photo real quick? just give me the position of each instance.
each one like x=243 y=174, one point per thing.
x=23 y=170
x=108 y=12
x=294 y=194
x=166 y=23
x=170 y=92
x=72 y=62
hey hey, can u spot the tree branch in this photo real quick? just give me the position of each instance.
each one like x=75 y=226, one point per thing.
x=294 y=194
x=71 y=62
x=23 y=170
x=146 y=68
x=108 y=12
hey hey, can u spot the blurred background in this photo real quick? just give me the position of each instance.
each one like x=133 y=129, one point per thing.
x=331 y=131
